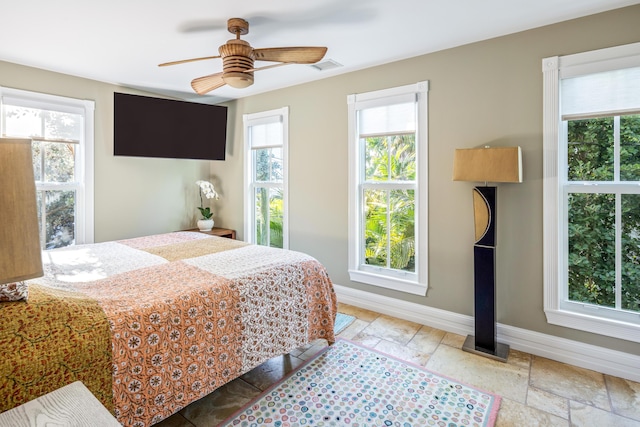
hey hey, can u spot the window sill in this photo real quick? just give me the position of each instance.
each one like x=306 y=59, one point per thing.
x=396 y=284
x=594 y=324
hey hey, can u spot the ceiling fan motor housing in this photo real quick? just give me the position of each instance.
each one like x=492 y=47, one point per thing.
x=237 y=57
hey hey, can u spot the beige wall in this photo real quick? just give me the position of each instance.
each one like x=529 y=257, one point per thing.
x=484 y=93
x=133 y=196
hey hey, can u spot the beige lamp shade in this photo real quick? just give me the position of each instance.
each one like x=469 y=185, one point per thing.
x=20 y=253
x=490 y=164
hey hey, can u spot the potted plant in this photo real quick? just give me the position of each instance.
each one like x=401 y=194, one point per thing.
x=206 y=188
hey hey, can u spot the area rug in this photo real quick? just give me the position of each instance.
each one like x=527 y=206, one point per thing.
x=342 y=321
x=347 y=384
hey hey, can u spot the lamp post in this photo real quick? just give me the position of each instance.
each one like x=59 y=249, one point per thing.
x=488 y=164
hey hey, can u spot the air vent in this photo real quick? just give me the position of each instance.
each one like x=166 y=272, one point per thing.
x=326 y=65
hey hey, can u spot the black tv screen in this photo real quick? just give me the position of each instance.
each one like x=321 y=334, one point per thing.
x=156 y=127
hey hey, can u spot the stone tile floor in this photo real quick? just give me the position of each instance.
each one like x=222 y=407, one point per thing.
x=535 y=391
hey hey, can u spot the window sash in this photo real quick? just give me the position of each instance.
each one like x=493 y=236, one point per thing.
x=82 y=184
x=266 y=236
x=616 y=312
x=405 y=281
x=387 y=268
x=273 y=134
x=42 y=166
x=44 y=186
x=270 y=164
x=557 y=308
x=614 y=187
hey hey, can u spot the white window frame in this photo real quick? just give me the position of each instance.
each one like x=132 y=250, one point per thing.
x=265 y=117
x=84 y=165
x=558 y=310
x=408 y=282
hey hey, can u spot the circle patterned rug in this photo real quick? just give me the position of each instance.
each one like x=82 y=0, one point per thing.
x=347 y=384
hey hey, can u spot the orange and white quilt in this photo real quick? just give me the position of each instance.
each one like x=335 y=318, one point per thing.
x=190 y=312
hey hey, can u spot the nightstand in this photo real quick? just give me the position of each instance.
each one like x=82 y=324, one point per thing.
x=71 y=405
x=217 y=231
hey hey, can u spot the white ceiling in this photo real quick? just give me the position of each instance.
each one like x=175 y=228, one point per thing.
x=122 y=41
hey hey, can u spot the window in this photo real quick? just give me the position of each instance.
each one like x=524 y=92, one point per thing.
x=61 y=130
x=266 y=141
x=388 y=188
x=592 y=191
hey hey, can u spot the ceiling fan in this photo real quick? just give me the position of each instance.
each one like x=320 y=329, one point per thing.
x=238 y=60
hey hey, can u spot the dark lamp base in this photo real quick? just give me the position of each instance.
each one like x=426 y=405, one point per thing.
x=500 y=354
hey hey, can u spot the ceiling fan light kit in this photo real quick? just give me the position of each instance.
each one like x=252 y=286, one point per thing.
x=238 y=59
x=238 y=80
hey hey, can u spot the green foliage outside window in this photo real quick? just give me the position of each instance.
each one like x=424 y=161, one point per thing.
x=390 y=213
x=591 y=217
x=269 y=203
x=269 y=217
x=60 y=217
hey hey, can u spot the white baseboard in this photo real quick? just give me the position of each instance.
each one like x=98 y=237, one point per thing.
x=599 y=359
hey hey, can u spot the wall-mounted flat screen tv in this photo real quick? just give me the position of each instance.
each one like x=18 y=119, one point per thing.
x=155 y=127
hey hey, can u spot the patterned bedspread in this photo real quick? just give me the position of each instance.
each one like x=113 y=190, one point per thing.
x=186 y=313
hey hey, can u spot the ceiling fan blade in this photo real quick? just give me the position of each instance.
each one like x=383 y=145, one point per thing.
x=266 y=67
x=183 y=61
x=295 y=55
x=208 y=83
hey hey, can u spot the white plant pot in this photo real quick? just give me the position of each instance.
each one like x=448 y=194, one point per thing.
x=205 y=224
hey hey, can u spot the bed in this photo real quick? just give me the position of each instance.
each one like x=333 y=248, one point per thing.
x=151 y=324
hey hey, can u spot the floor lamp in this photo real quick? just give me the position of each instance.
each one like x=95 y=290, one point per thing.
x=20 y=253
x=488 y=164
